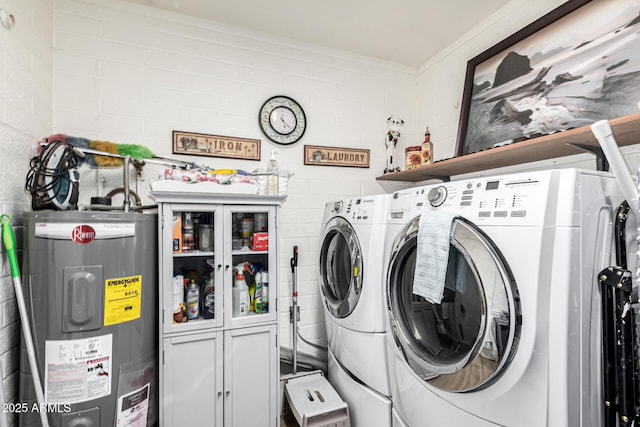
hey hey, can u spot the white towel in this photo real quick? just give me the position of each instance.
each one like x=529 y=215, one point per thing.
x=432 y=255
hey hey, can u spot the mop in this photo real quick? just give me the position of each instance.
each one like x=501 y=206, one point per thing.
x=9 y=240
x=313 y=401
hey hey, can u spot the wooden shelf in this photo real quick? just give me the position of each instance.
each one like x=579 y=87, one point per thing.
x=626 y=131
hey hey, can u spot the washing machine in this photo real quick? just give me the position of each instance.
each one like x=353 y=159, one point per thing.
x=352 y=290
x=515 y=340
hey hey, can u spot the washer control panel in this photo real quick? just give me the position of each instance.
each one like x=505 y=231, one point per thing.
x=497 y=199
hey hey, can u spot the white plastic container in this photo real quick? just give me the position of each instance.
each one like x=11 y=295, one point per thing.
x=240 y=297
x=272 y=178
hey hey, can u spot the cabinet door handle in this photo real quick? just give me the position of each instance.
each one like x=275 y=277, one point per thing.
x=226 y=267
x=228 y=392
x=219 y=266
x=219 y=393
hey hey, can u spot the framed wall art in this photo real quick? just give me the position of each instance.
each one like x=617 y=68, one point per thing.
x=577 y=64
x=200 y=144
x=336 y=156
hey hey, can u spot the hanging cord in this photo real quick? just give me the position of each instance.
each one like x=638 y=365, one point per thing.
x=47 y=182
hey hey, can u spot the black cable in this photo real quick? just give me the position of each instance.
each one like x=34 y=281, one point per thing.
x=42 y=193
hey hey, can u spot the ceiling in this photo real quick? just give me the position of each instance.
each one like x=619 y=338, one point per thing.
x=406 y=32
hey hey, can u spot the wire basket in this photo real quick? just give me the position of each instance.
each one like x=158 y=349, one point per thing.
x=283 y=180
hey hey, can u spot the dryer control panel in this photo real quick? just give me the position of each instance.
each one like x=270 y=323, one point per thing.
x=508 y=199
x=366 y=209
x=360 y=209
x=408 y=203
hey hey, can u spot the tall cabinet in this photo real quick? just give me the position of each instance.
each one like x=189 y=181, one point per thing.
x=219 y=350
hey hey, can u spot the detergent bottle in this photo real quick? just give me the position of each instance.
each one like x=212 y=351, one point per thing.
x=240 y=297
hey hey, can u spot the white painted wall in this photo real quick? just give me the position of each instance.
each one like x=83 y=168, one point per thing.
x=131 y=74
x=25 y=115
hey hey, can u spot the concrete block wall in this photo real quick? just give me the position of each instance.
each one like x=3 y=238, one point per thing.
x=25 y=114
x=131 y=74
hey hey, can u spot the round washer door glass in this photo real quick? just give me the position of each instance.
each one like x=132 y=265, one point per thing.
x=465 y=342
x=340 y=268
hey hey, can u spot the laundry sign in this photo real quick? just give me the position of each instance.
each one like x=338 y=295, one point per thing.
x=336 y=156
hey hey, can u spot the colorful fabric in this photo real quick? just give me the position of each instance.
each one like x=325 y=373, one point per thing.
x=197 y=175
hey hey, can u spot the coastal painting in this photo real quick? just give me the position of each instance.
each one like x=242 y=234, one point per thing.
x=576 y=65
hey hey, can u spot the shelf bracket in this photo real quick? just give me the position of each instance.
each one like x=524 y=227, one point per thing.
x=601 y=160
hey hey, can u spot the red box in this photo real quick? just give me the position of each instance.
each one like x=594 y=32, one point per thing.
x=260 y=241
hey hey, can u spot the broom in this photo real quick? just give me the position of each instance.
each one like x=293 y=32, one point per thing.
x=9 y=240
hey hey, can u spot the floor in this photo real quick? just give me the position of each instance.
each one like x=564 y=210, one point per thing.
x=289 y=422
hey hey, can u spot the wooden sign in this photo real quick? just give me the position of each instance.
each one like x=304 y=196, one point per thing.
x=200 y=144
x=336 y=156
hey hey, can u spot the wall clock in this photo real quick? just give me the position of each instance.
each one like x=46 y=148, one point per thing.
x=282 y=120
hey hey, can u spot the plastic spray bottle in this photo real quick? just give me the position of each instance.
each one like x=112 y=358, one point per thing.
x=272 y=178
x=240 y=297
x=258 y=294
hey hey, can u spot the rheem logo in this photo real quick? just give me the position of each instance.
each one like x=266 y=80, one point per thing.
x=83 y=234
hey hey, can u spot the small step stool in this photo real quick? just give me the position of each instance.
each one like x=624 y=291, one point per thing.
x=314 y=402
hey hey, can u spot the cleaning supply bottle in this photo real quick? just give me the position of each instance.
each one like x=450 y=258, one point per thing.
x=427 y=148
x=264 y=280
x=208 y=299
x=252 y=296
x=240 y=297
x=272 y=178
x=257 y=297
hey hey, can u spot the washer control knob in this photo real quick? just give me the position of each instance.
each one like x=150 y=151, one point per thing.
x=337 y=206
x=437 y=195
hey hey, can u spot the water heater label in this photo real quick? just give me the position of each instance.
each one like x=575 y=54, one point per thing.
x=133 y=408
x=78 y=370
x=122 y=299
x=84 y=233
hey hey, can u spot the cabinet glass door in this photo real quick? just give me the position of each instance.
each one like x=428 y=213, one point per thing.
x=192 y=275
x=252 y=271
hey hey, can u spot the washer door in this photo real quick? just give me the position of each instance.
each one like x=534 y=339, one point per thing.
x=467 y=340
x=340 y=267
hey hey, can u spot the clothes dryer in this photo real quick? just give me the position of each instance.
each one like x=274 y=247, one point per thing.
x=352 y=290
x=515 y=340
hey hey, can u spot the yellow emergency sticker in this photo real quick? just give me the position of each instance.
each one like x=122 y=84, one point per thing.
x=122 y=299
x=355 y=271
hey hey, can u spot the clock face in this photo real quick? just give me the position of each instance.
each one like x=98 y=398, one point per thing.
x=282 y=120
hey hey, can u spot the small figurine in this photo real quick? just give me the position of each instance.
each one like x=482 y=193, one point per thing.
x=394 y=124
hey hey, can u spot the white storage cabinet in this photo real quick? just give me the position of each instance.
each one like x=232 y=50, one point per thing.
x=221 y=370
